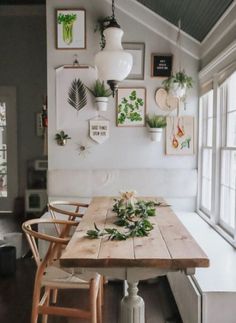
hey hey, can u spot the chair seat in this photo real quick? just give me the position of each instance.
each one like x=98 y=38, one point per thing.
x=66 y=278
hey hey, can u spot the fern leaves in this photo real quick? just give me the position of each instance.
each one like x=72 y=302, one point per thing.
x=77 y=97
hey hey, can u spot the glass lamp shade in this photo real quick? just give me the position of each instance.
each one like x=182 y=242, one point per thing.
x=113 y=63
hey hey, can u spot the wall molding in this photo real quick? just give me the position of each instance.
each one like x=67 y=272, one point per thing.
x=159 y=25
x=223 y=56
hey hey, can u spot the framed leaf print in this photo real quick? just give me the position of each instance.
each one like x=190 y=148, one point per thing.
x=180 y=136
x=131 y=107
x=71 y=29
x=73 y=101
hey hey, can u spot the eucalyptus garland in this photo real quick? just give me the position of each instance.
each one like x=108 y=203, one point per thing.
x=133 y=217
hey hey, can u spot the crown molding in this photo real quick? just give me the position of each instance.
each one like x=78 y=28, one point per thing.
x=159 y=25
x=218 y=60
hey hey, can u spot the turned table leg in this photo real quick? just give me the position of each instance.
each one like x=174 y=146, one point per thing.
x=132 y=306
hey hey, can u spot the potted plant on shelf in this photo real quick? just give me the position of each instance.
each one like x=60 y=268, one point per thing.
x=101 y=94
x=178 y=83
x=61 y=138
x=155 y=124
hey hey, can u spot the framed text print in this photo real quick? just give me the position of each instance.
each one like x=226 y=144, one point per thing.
x=161 y=65
x=71 y=28
x=131 y=107
x=180 y=136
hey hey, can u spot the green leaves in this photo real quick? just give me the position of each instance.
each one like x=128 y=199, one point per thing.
x=66 y=19
x=77 y=97
x=181 y=78
x=156 y=121
x=99 y=90
x=130 y=108
x=134 y=220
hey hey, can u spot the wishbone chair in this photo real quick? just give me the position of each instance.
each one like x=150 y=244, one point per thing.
x=50 y=275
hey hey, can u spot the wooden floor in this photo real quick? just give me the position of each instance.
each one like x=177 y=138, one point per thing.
x=16 y=298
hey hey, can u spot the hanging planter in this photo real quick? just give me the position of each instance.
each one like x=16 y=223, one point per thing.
x=155 y=125
x=101 y=94
x=178 y=84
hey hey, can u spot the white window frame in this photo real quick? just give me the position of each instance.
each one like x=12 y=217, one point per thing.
x=219 y=145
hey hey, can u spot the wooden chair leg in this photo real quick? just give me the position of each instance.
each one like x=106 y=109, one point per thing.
x=36 y=299
x=45 y=316
x=100 y=302
x=93 y=302
x=54 y=295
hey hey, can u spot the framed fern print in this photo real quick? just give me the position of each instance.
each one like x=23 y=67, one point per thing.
x=73 y=101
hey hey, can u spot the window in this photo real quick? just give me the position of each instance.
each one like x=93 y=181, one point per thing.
x=3 y=151
x=228 y=154
x=206 y=138
x=217 y=156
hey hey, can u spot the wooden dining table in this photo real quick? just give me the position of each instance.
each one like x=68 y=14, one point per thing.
x=168 y=247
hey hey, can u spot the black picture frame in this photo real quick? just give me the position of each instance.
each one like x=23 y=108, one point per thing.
x=161 y=65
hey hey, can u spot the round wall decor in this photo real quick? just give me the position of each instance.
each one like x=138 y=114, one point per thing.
x=166 y=101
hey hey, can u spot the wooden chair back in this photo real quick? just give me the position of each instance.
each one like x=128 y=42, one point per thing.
x=33 y=235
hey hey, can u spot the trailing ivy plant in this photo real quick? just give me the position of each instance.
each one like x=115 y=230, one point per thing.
x=101 y=26
x=129 y=108
x=133 y=218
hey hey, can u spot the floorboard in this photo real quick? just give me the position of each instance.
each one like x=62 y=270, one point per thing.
x=16 y=298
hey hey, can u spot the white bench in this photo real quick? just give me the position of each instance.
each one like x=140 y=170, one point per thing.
x=210 y=295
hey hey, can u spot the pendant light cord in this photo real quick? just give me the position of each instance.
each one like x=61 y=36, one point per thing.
x=113 y=9
x=178 y=41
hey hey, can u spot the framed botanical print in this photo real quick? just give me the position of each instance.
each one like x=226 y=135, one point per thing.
x=71 y=28
x=161 y=65
x=131 y=107
x=180 y=136
x=137 y=50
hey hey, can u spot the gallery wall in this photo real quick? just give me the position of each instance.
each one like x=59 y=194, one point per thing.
x=23 y=65
x=127 y=147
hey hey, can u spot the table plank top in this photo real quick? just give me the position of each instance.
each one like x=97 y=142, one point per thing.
x=168 y=246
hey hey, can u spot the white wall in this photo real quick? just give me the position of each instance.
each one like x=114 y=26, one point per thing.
x=127 y=147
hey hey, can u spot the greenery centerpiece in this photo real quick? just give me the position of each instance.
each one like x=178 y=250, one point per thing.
x=132 y=214
x=61 y=138
x=101 y=94
x=67 y=21
x=178 y=83
x=155 y=125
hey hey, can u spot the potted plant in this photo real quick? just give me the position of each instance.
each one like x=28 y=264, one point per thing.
x=61 y=138
x=101 y=94
x=178 y=83
x=155 y=125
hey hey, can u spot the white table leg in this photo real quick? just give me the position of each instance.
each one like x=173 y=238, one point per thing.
x=132 y=306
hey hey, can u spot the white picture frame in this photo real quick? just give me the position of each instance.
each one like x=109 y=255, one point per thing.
x=137 y=50
x=70 y=29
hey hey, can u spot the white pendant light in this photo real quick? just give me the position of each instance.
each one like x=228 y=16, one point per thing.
x=113 y=63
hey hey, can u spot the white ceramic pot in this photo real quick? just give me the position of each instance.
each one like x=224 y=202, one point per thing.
x=177 y=91
x=101 y=103
x=155 y=134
